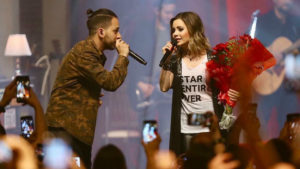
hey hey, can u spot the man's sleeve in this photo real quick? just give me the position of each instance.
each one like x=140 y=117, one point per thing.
x=90 y=67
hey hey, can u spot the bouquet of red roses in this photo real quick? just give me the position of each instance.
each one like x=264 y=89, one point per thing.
x=239 y=59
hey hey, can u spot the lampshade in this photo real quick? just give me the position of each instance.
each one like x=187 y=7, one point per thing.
x=17 y=45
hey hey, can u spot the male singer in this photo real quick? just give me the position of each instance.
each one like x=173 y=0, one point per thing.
x=74 y=101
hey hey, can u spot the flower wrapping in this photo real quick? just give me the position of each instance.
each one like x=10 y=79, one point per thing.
x=236 y=62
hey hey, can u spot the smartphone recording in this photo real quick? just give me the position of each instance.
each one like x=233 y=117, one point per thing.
x=200 y=119
x=77 y=161
x=23 y=84
x=27 y=126
x=149 y=130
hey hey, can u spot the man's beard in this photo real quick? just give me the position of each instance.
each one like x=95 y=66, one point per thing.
x=110 y=46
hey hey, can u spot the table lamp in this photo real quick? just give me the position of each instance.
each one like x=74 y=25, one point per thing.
x=17 y=46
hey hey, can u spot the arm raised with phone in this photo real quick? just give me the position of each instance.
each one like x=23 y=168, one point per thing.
x=40 y=121
x=10 y=93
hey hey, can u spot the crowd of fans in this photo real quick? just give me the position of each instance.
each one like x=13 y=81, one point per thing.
x=209 y=150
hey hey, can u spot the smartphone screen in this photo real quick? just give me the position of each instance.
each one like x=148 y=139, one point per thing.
x=200 y=119
x=149 y=130
x=23 y=84
x=77 y=161
x=27 y=126
x=195 y=119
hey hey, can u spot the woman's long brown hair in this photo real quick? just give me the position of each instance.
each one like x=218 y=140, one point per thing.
x=198 y=43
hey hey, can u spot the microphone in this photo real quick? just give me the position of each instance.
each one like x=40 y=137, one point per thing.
x=137 y=57
x=168 y=52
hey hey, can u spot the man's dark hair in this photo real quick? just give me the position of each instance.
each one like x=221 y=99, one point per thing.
x=281 y=150
x=109 y=157
x=100 y=18
x=240 y=153
x=200 y=152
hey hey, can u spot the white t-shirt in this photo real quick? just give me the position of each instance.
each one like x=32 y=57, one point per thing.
x=196 y=96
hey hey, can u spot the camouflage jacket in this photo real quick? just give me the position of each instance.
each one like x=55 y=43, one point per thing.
x=74 y=100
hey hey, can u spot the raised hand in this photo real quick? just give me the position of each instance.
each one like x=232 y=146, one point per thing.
x=122 y=47
x=9 y=93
